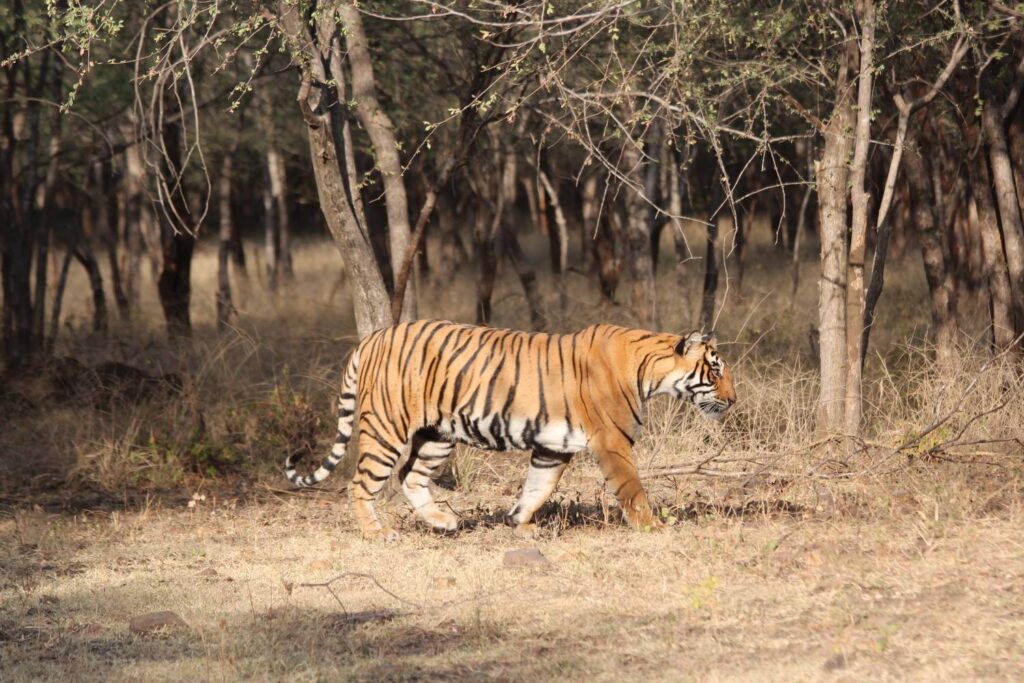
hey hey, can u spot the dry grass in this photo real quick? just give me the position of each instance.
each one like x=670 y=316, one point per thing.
x=796 y=559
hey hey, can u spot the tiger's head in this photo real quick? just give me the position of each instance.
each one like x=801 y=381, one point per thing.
x=700 y=375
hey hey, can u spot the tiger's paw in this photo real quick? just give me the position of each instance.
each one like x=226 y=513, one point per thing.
x=528 y=531
x=440 y=520
x=386 y=534
x=646 y=522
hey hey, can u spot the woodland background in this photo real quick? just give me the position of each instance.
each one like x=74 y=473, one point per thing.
x=206 y=203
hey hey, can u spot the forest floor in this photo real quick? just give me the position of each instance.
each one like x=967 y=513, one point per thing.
x=899 y=587
x=137 y=478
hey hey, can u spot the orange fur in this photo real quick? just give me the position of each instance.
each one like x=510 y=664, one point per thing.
x=426 y=384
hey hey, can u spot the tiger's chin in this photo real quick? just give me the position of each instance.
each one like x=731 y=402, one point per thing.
x=713 y=411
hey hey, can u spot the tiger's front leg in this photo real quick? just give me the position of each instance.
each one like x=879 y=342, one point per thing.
x=615 y=457
x=546 y=469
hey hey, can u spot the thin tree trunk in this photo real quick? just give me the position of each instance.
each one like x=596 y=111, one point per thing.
x=983 y=212
x=99 y=302
x=801 y=227
x=936 y=255
x=225 y=307
x=175 y=283
x=589 y=211
x=271 y=243
x=108 y=220
x=710 y=287
x=372 y=309
x=44 y=213
x=740 y=243
x=1015 y=136
x=638 y=243
x=139 y=224
x=58 y=298
x=382 y=134
x=563 y=242
x=279 y=190
x=485 y=234
x=860 y=199
x=1009 y=210
x=509 y=239
x=832 y=173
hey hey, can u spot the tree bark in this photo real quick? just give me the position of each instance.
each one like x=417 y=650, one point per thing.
x=279 y=192
x=323 y=128
x=860 y=199
x=99 y=302
x=710 y=288
x=1009 y=210
x=271 y=239
x=643 y=298
x=982 y=211
x=563 y=242
x=1015 y=136
x=107 y=220
x=936 y=255
x=832 y=173
x=225 y=307
x=175 y=282
x=382 y=134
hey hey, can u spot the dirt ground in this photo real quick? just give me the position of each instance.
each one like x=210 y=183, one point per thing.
x=905 y=587
x=791 y=561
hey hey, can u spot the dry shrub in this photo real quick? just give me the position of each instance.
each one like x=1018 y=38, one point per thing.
x=267 y=389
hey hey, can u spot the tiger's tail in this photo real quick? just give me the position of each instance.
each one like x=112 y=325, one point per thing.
x=346 y=416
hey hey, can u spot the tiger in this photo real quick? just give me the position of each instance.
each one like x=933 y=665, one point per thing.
x=416 y=389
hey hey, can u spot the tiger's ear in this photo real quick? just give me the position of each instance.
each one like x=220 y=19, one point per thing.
x=710 y=338
x=687 y=342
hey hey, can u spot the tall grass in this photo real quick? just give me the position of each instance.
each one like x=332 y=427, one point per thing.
x=265 y=388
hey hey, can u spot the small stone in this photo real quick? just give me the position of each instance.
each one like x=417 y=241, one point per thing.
x=154 y=621
x=836 y=662
x=526 y=557
x=209 y=571
x=320 y=566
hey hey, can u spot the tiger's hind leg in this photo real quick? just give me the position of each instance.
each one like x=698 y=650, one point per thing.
x=425 y=461
x=377 y=458
x=546 y=469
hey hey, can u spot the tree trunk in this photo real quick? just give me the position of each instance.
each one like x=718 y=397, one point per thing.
x=710 y=287
x=797 y=236
x=225 y=308
x=485 y=234
x=323 y=128
x=638 y=243
x=506 y=162
x=832 y=173
x=99 y=302
x=740 y=244
x=108 y=220
x=279 y=190
x=382 y=134
x=139 y=224
x=1016 y=140
x=936 y=254
x=860 y=199
x=175 y=283
x=271 y=243
x=589 y=212
x=983 y=212
x=1009 y=209
x=562 y=265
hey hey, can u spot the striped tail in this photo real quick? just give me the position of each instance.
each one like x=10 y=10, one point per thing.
x=346 y=416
